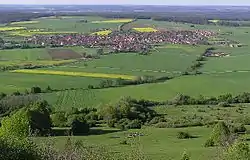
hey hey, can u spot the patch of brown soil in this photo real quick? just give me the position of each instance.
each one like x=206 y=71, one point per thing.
x=65 y=54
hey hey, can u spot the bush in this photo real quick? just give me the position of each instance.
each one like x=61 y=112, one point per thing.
x=238 y=129
x=91 y=87
x=185 y=156
x=156 y=120
x=161 y=125
x=224 y=104
x=237 y=151
x=58 y=119
x=79 y=128
x=17 y=93
x=124 y=142
x=183 y=135
x=2 y=95
x=134 y=124
x=220 y=133
x=209 y=143
x=18 y=149
x=35 y=90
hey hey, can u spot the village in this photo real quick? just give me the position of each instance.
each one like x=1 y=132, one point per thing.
x=125 y=41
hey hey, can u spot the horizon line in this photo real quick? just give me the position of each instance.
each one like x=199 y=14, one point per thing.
x=232 y=5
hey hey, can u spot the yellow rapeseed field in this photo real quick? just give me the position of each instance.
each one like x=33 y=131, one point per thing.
x=27 y=33
x=114 y=21
x=102 y=33
x=24 y=22
x=77 y=74
x=147 y=29
x=2 y=29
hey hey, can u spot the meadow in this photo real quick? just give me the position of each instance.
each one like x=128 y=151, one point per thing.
x=162 y=61
x=66 y=24
x=12 y=82
x=70 y=80
x=162 y=143
x=206 y=85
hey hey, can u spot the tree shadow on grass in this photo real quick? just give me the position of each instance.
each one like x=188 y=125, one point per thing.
x=94 y=131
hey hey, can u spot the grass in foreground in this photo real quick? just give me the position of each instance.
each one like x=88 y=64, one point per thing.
x=77 y=74
x=155 y=144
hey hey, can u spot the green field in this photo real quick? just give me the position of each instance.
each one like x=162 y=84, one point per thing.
x=207 y=85
x=162 y=61
x=219 y=76
x=11 y=82
x=160 y=144
x=64 y=24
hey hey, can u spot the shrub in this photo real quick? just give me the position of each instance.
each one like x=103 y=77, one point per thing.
x=79 y=128
x=19 y=149
x=35 y=90
x=224 y=104
x=58 y=119
x=2 y=95
x=161 y=125
x=183 y=135
x=238 y=129
x=134 y=124
x=91 y=87
x=17 y=93
x=156 y=120
x=124 y=142
x=48 y=89
x=209 y=143
x=185 y=156
x=220 y=133
x=239 y=151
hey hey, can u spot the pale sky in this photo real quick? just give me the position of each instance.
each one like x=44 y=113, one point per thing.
x=156 y=2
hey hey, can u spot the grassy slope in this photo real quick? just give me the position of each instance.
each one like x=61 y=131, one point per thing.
x=11 y=82
x=161 y=61
x=207 y=85
x=156 y=144
x=24 y=54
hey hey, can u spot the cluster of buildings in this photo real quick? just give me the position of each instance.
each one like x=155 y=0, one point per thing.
x=124 y=41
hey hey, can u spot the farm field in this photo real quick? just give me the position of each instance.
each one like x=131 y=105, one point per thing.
x=170 y=60
x=89 y=79
x=11 y=82
x=76 y=74
x=206 y=85
x=75 y=24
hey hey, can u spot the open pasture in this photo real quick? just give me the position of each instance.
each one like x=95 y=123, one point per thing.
x=157 y=144
x=207 y=85
x=45 y=54
x=162 y=61
x=24 y=54
x=12 y=82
